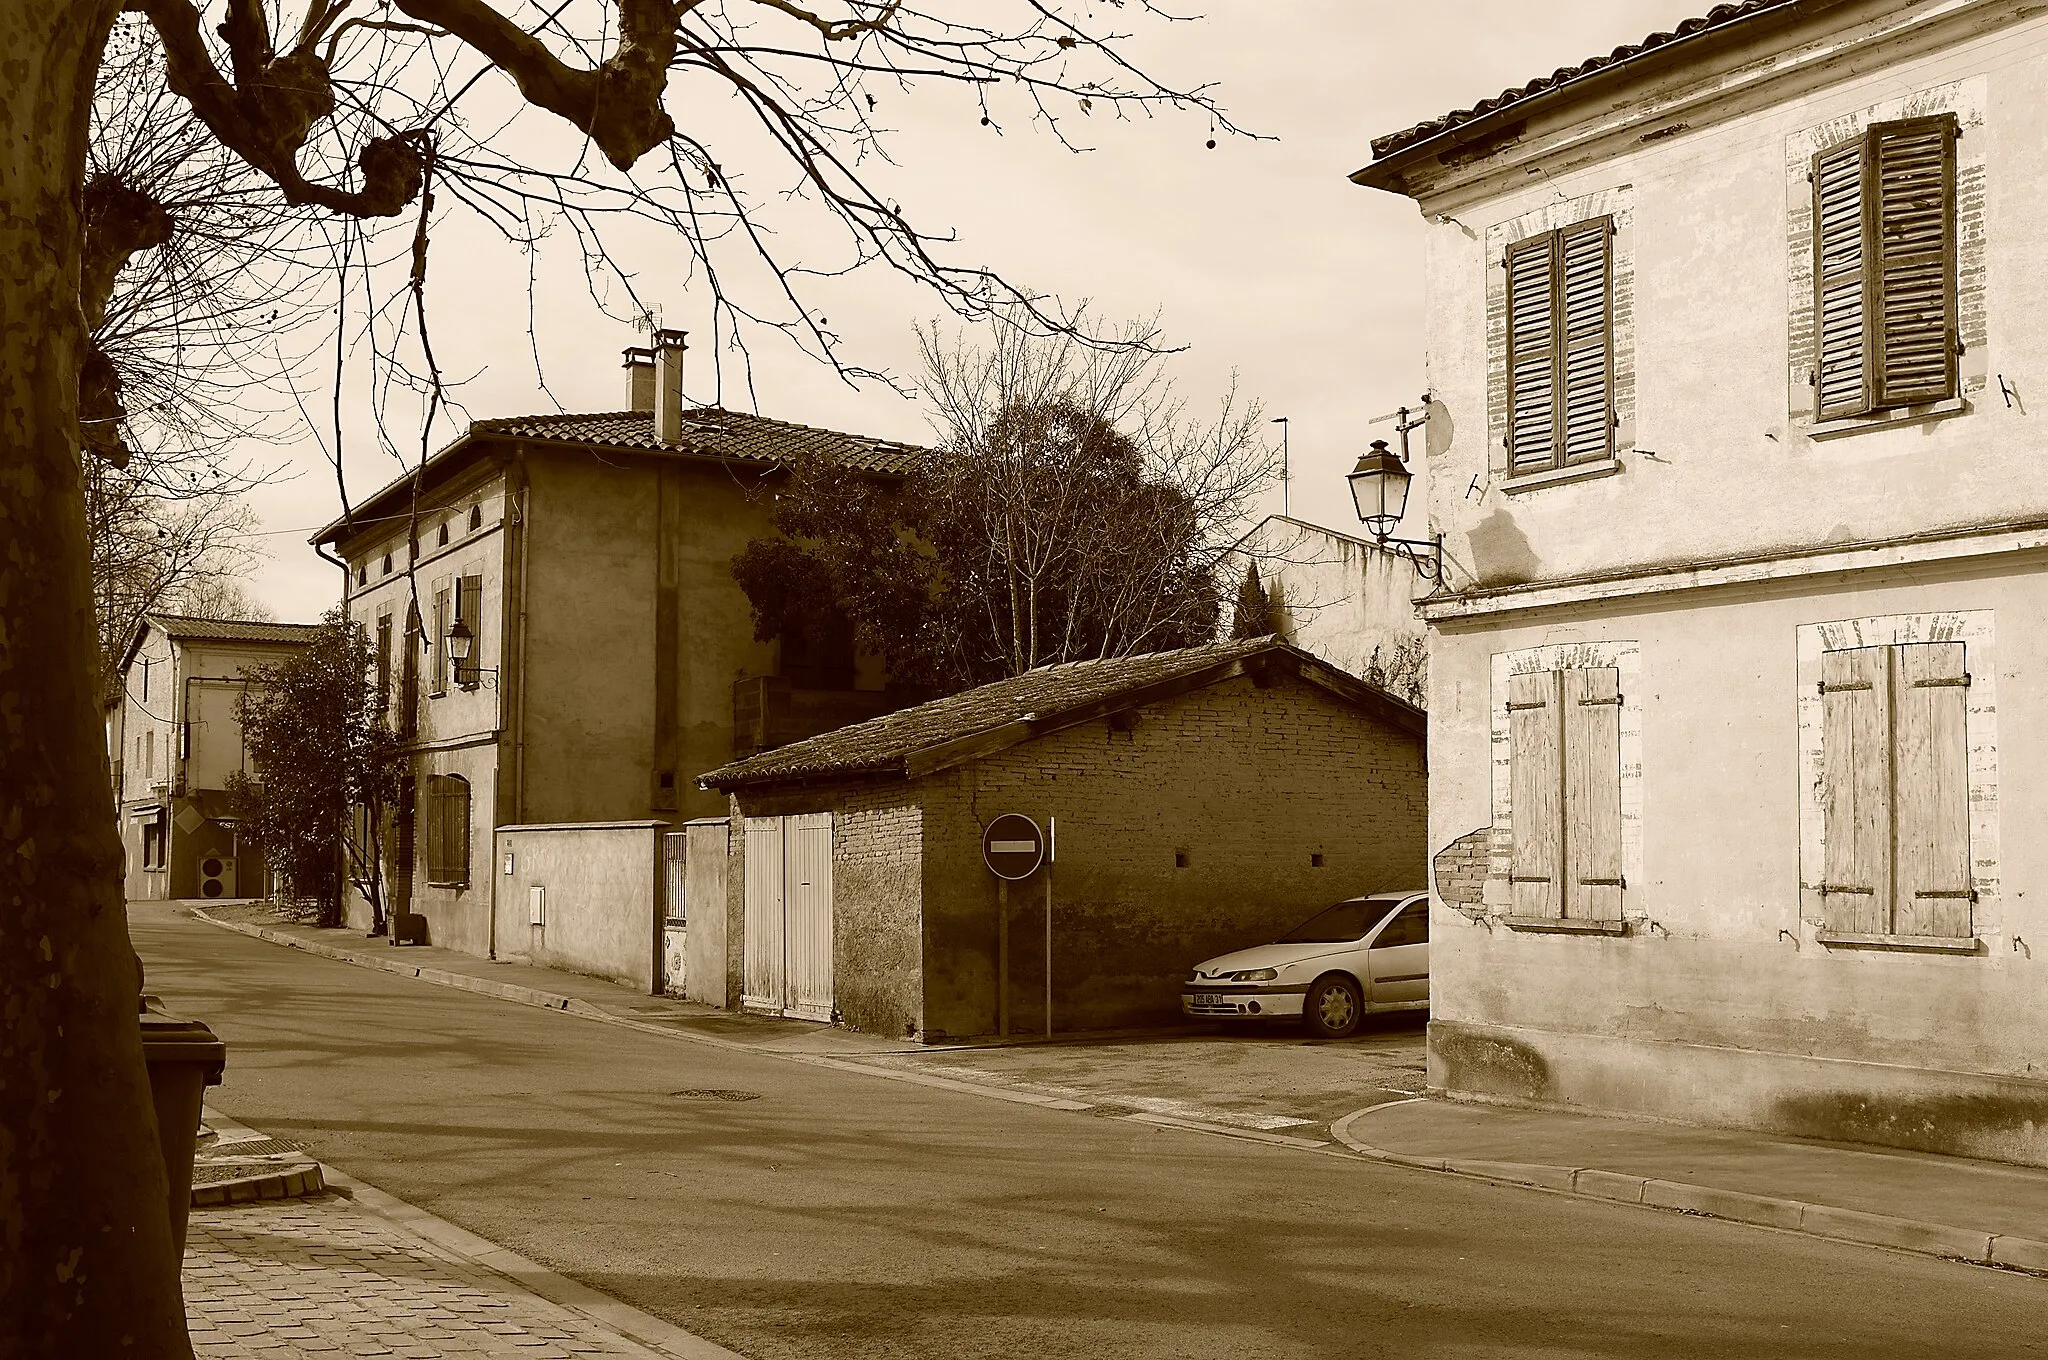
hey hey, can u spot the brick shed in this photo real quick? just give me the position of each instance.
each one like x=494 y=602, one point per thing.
x=1205 y=800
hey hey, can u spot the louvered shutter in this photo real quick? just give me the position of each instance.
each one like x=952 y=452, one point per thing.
x=1532 y=354
x=1592 y=793
x=1932 y=829
x=435 y=825
x=1587 y=254
x=1841 y=317
x=1535 y=741
x=455 y=829
x=469 y=609
x=1914 y=168
x=1855 y=789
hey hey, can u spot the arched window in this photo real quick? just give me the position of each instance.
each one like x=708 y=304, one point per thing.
x=446 y=817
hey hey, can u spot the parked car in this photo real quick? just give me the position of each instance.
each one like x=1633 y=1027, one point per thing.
x=1362 y=955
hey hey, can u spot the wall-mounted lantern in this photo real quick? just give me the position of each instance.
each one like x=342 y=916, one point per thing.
x=1379 y=491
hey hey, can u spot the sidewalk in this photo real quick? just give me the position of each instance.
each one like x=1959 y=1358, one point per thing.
x=1985 y=1212
x=362 y=1274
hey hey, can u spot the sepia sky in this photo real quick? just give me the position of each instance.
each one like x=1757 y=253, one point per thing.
x=1259 y=257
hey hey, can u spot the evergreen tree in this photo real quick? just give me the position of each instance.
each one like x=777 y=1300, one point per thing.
x=1254 y=616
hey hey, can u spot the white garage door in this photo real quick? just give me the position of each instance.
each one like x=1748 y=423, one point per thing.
x=787 y=962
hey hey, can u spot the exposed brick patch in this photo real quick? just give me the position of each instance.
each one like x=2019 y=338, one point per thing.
x=1461 y=868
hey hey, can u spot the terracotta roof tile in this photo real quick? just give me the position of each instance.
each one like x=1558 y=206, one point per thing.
x=885 y=745
x=1717 y=17
x=710 y=431
x=187 y=628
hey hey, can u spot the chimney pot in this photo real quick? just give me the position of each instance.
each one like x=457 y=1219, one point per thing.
x=640 y=368
x=668 y=386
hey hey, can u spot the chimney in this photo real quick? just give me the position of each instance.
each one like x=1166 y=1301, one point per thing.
x=640 y=366
x=668 y=386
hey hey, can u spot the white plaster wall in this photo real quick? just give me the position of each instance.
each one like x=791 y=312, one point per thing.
x=1718 y=953
x=1717 y=459
x=1340 y=596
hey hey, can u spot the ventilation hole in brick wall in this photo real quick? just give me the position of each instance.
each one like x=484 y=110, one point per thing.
x=1315 y=861
x=1180 y=859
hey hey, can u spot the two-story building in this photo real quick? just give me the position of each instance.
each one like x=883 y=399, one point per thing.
x=174 y=735
x=584 y=562
x=1738 y=700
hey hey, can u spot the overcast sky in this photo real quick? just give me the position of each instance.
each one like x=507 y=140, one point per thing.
x=1259 y=256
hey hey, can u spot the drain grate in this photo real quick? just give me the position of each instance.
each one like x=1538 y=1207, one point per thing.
x=716 y=1095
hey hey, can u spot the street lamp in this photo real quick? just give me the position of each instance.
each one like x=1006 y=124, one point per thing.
x=1379 y=491
x=462 y=646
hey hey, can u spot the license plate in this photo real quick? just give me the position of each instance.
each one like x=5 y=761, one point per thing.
x=1210 y=999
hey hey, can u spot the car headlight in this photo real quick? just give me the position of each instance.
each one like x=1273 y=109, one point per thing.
x=1255 y=975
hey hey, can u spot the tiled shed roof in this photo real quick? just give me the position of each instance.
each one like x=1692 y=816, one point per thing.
x=711 y=431
x=187 y=628
x=978 y=722
x=1717 y=17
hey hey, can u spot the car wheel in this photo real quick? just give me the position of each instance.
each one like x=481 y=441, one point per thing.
x=1333 y=1007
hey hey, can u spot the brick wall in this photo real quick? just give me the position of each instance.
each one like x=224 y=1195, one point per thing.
x=877 y=899
x=1195 y=832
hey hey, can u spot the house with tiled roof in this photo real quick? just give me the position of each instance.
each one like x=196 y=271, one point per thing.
x=1740 y=712
x=560 y=638
x=1191 y=802
x=174 y=738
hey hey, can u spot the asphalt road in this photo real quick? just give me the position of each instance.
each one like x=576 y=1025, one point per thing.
x=829 y=1214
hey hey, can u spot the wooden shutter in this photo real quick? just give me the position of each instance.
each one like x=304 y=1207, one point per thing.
x=1855 y=789
x=1535 y=740
x=1914 y=174
x=441 y=623
x=1532 y=354
x=469 y=608
x=454 y=829
x=1592 y=792
x=1840 y=247
x=1587 y=257
x=409 y=675
x=383 y=663
x=432 y=824
x=1932 y=813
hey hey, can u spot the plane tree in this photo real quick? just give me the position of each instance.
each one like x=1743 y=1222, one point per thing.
x=356 y=113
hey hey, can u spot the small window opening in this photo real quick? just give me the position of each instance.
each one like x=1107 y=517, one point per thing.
x=1180 y=859
x=1315 y=860
x=442 y=541
x=476 y=518
x=387 y=564
x=362 y=572
x=668 y=779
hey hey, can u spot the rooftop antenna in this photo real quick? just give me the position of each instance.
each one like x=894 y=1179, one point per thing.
x=1281 y=421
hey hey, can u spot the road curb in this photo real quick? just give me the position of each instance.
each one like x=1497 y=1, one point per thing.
x=1972 y=1246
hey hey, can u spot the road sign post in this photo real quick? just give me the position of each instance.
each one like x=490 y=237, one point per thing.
x=1012 y=847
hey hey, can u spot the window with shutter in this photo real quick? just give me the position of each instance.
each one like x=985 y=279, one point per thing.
x=1561 y=347
x=383 y=664
x=1564 y=756
x=1894 y=792
x=443 y=618
x=431 y=823
x=1884 y=268
x=409 y=675
x=469 y=609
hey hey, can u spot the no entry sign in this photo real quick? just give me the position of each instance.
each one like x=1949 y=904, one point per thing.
x=1013 y=847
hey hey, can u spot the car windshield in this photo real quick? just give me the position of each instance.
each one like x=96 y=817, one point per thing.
x=1340 y=924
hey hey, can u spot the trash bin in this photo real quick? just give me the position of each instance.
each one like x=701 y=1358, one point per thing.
x=184 y=1059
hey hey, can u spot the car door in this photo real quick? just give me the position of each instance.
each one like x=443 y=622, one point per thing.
x=1398 y=958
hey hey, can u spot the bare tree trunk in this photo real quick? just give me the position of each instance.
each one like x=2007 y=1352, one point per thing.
x=88 y=1267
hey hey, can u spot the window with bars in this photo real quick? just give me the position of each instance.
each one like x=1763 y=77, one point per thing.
x=1884 y=211
x=1564 y=756
x=1560 y=342
x=446 y=826
x=1894 y=791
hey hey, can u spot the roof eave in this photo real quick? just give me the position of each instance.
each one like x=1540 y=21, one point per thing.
x=358 y=520
x=1387 y=173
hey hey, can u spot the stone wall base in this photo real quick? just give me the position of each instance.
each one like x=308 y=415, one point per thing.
x=1968 y=1114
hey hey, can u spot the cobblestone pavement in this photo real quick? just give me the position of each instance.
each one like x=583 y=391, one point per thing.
x=325 y=1277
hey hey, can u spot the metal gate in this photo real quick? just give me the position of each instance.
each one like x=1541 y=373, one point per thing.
x=675 y=919
x=787 y=960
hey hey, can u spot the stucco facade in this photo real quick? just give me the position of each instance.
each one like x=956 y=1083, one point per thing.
x=589 y=558
x=174 y=738
x=1342 y=597
x=1716 y=565
x=1186 y=826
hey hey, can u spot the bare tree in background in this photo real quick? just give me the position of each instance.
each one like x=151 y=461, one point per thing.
x=1074 y=510
x=363 y=113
